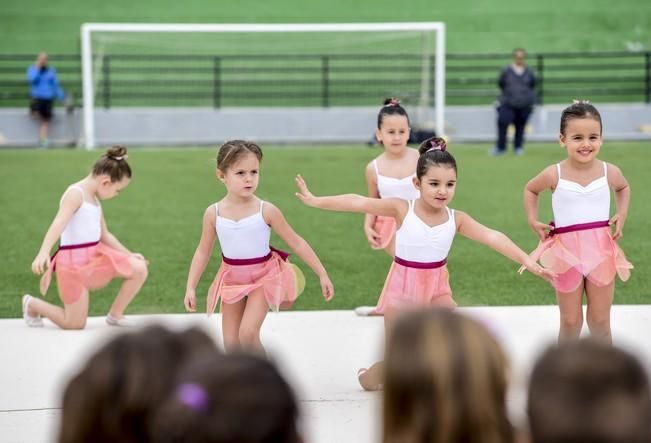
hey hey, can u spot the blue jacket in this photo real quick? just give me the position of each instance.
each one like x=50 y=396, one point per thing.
x=44 y=85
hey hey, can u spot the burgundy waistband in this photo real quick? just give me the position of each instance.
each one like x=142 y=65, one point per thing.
x=420 y=265
x=578 y=227
x=255 y=260
x=79 y=246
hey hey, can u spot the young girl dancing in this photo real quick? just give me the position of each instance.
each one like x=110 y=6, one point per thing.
x=418 y=276
x=579 y=245
x=390 y=175
x=89 y=256
x=253 y=276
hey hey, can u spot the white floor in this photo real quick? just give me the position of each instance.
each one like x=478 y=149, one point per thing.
x=319 y=352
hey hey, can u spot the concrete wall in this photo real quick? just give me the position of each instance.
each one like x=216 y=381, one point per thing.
x=182 y=126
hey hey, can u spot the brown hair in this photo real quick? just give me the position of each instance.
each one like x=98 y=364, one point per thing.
x=580 y=109
x=445 y=382
x=391 y=107
x=235 y=398
x=112 y=398
x=113 y=163
x=433 y=151
x=231 y=151
x=587 y=391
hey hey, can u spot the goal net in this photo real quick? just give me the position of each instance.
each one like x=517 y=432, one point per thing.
x=263 y=65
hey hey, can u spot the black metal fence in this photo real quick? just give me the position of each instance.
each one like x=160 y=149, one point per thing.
x=330 y=80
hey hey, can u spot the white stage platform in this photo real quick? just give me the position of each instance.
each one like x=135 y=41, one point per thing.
x=319 y=352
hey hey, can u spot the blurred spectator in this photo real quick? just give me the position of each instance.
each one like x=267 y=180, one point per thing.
x=44 y=89
x=589 y=392
x=237 y=398
x=113 y=397
x=445 y=382
x=515 y=103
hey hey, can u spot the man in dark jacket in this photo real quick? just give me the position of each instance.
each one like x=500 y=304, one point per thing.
x=518 y=85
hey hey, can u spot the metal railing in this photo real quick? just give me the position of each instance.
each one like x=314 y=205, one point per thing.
x=330 y=80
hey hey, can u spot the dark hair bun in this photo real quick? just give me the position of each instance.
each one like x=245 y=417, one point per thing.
x=116 y=152
x=391 y=101
x=433 y=142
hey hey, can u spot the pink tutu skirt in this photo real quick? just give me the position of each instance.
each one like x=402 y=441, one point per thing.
x=589 y=253
x=81 y=268
x=386 y=228
x=408 y=287
x=282 y=282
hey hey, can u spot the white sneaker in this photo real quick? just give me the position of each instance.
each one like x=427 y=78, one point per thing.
x=32 y=321
x=123 y=322
x=366 y=311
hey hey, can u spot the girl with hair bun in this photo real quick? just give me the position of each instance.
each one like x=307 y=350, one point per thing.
x=88 y=256
x=418 y=276
x=390 y=175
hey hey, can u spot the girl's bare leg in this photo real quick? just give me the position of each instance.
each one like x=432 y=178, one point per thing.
x=129 y=288
x=232 y=314
x=254 y=315
x=571 y=309
x=372 y=379
x=71 y=316
x=600 y=300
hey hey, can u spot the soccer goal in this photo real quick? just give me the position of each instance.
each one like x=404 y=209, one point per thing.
x=225 y=66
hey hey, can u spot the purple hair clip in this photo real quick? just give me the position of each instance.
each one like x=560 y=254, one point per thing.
x=437 y=145
x=193 y=396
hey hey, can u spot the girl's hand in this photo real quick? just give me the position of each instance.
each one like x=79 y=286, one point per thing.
x=372 y=236
x=304 y=193
x=41 y=263
x=190 y=300
x=327 y=288
x=618 y=220
x=539 y=271
x=541 y=229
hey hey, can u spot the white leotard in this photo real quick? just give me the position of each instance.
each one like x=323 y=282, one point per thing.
x=419 y=242
x=390 y=187
x=85 y=225
x=574 y=204
x=245 y=238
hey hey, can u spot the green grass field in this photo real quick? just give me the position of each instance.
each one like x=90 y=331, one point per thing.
x=160 y=215
x=473 y=26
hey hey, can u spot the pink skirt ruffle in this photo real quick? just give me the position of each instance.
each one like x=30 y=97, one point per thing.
x=409 y=288
x=590 y=253
x=85 y=269
x=282 y=283
x=386 y=228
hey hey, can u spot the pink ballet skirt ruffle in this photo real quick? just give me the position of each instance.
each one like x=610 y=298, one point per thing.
x=409 y=288
x=281 y=281
x=589 y=253
x=386 y=228
x=85 y=268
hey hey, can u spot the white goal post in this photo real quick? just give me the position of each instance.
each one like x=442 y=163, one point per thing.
x=87 y=29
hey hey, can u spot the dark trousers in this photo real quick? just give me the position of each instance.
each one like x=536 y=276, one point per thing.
x=507 y=115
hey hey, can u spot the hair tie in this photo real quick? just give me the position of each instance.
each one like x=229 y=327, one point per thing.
x=193 y=396
x=393 y=102
x=120 y=157
x=437 y=145
x=580 y=102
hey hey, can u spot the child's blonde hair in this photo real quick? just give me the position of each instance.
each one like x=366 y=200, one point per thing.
x=445 y=382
